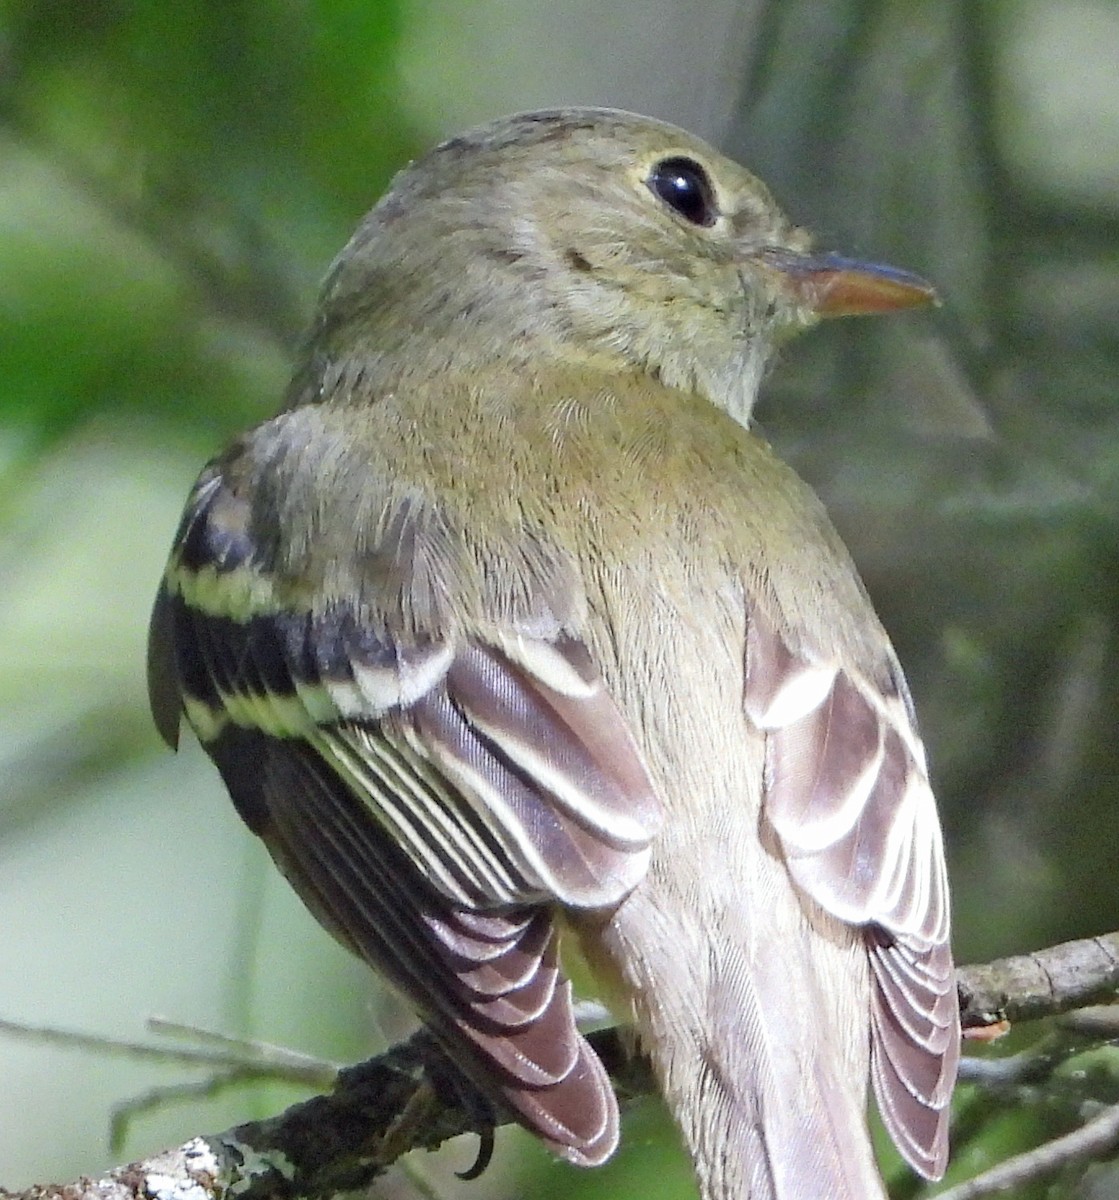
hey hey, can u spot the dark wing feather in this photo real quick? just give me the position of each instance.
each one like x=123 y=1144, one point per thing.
x=848 y=796
x=430 y=799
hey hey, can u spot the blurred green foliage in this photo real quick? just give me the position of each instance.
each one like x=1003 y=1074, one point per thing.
x=173 y=181
x=178 y=175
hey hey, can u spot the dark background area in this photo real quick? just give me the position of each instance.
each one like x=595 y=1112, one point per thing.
x=174 y=180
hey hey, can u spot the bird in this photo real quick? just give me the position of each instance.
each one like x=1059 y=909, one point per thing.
x=524 y=653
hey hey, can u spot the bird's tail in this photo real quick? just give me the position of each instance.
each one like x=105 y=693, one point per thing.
x=760 y=1043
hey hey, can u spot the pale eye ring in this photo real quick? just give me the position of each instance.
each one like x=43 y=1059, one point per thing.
x=685 y=187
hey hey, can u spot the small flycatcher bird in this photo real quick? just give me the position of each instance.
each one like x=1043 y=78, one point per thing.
x=508 y=637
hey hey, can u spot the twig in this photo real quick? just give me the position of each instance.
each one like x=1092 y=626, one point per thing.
x=343 y=1140
x=1098 y=1138
x=259 y=1059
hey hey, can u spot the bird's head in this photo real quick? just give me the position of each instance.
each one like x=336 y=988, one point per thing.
x=591 y=236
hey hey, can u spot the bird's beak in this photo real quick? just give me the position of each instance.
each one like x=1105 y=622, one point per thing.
x=831 y=286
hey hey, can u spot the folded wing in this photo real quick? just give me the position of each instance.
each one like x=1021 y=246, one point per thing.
x=849 y=798
x=431 y=798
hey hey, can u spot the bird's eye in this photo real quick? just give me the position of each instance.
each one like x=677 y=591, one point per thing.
x=684 y=186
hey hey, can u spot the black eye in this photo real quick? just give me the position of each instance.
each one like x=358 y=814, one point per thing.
x=683 y=185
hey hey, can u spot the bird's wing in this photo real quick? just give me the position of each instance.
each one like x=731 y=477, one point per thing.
x=430 y=799
x=848 y=795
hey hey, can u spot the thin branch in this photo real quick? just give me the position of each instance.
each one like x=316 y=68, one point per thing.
x=249 y=1058
x=1029 y=986
x=1098 y=1138
x=413 y=1097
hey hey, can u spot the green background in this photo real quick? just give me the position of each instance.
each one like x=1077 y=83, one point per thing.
x=174 y=179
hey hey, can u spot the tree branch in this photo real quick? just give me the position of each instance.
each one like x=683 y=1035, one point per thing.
x=413 y=1097
x=1029 y=986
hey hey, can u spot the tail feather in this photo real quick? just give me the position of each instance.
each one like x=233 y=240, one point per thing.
x=759 y=1059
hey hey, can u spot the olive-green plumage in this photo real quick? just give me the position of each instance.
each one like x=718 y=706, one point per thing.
x=508 y=624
